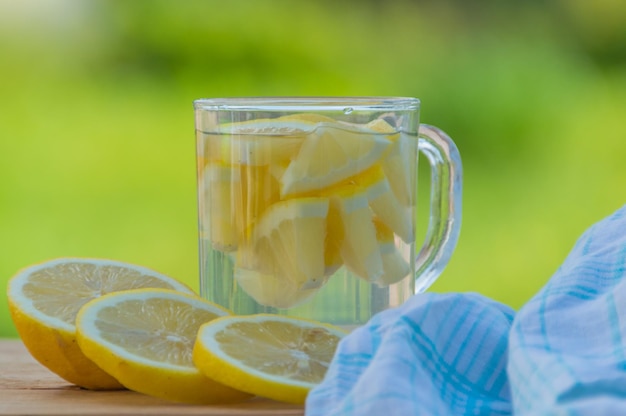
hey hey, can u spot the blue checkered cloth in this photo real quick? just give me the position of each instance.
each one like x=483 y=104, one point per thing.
x=563 y=353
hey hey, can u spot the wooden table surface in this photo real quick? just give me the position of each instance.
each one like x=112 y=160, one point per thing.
x=28 y=388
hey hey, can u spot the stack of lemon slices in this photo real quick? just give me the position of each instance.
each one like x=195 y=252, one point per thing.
x=102 y=324
x=292 y=199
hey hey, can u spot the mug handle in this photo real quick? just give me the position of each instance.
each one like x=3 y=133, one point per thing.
x=445 y=205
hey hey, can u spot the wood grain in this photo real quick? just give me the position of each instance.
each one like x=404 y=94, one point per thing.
x=28 y=388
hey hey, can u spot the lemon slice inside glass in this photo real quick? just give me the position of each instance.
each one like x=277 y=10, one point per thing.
x=271 y=356
x=271 y=290
x=288 y=243
x=220 y=185
x=395 y=267
x=399 y=162
x=385 y=205
x=261 y=142
x=355 y=233
x=330 y=154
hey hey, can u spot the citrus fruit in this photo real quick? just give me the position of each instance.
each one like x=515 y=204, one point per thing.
x=145 y=338
x=232 y=198
x=399 y=161
x=271 y=356
x=271 y=290
x=218 y=187
x=384 y=203
x=45 y=298
x=353 y=231
x=288 y=243
x=395 y=267
x=329 y=154
x=260 y=189
x=261 y=141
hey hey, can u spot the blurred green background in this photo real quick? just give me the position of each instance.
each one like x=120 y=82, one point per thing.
x=97 y=145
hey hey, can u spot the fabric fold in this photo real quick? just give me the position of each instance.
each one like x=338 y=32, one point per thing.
x=568 y=343
x=564 y=352
x=441 y=354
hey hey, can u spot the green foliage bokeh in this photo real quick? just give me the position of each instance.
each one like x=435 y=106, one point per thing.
x=97 y=152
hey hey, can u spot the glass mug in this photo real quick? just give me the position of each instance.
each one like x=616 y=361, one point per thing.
x=307 y=206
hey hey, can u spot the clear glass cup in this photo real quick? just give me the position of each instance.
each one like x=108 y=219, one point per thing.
x=307 y=205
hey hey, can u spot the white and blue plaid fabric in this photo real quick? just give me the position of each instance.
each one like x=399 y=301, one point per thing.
x=563 y=353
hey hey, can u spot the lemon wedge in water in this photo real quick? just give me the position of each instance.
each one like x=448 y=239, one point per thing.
x=288 y=243
x=331 y=153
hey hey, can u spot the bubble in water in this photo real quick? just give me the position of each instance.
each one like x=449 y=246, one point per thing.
x=348 y=110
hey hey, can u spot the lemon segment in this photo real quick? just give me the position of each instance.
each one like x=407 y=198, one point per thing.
x=356 y=233
x=395 y=267
x=260 y=190
x=385 y=204
x=399 y=161
x=220 y=185
x=288 y=242
x=331 y=153
x=145 y=338
x=267 y=355
x=44 y=300
x=233 y=198
x=270 y=290
x=263 y=142
x=400 y=166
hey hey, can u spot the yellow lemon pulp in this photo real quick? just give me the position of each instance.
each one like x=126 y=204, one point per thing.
x=233 y=198
x=267 y=355
x=395 y=267
x=272 y=290
x=218 y=185
x=355 y=233
x=145 y=338
x=385 y=205
x=351 y=234
x=399 y=162
x=44 y=300
x=259 y=142
x=328 y=155
x=288 y=243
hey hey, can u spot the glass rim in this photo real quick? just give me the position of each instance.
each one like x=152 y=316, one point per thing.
x=320 y=103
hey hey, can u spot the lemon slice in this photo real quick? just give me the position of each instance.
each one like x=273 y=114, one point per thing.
x=219 y=188
x=270 y=290
x=331 y=153
x=385 y=204
x=262 y=141
x=232 y=198
x=399 y=162
x=45 y=298
x=395 y=267
x=145 y=339
x=267 y=355
x=260 y=190
x=288 y=243
x=353 y=231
